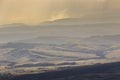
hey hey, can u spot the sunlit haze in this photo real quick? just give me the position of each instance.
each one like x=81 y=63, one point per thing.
x=37 y=11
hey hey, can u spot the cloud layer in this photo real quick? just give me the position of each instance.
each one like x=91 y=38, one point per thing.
x=36 y=11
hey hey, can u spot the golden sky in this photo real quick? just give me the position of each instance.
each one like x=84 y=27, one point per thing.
x=36 y=11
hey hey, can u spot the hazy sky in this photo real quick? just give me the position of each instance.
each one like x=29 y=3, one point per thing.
x=36 y=11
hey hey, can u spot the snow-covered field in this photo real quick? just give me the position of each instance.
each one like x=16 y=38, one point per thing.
x=22 y=57
x=31 y=49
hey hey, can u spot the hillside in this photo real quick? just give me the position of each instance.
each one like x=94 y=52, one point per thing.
x=43 y=54
x=109 y=71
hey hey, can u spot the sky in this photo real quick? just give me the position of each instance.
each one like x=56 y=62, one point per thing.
x=37 y=11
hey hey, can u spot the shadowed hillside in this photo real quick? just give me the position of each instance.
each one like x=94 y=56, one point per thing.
x=109 y=71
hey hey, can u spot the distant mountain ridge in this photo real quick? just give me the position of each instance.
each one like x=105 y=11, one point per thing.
x=106 y=39
x=81 y=27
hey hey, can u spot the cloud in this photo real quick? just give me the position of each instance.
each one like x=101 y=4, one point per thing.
x=36 y=11
x=59 y=15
